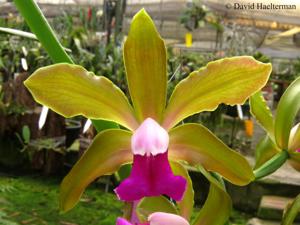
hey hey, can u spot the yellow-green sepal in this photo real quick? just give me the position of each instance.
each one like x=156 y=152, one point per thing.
x=109 y=150
x=197 y=145
x=70 y=90
x=230 y=81
x=146 y=67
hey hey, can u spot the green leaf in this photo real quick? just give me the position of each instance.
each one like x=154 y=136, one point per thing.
x=109 y=150
x=217 y=207
x=41 y=28
x=287 y=110
x=187 y=203
x=145 y=62
x=150 y=205
x=291 y=212
x=265 y=150
x=230 y=81
x=101 y=125
x=195 y=144
x=260 y=110
x=70 y=90
x=123 y=172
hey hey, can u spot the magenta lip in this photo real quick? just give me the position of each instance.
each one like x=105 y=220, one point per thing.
x=151 y=176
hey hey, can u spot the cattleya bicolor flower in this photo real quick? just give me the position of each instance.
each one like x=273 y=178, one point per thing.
x=151 y=141
x=282 y=137
x=158 y=218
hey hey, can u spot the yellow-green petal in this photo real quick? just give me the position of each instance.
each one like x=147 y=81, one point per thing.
x=262 y=113
x=146 y=63
x=70 y=90
x=109 y=150
x=195 y=144
x=218 y=205
x=187 y=203
x=265 y=150
x=230 y=81
x=287 y=110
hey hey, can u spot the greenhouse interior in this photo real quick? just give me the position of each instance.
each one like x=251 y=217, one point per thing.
x=149 y=112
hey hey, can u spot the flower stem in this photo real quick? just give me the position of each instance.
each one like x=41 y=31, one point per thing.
x=271 y=165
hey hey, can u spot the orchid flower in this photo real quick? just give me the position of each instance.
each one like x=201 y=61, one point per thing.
x=151 y=141
x=158 y=218
x=283 y=139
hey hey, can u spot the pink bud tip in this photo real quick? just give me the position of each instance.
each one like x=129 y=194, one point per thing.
x=160 y=218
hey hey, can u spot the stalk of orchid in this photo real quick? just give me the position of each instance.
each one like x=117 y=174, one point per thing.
x=150 y=138
x=282 y=141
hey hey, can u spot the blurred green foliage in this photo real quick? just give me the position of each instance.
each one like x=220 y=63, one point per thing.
x=34 y=200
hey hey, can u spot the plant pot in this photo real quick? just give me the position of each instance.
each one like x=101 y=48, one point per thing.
x=73 y=128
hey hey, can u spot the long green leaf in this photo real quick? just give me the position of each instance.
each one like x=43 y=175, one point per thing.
x=291 y=212
x=217 y=207
x=287 y=110
x=195 y=144
x=187 y=203
x=262 y=113
x=109 y=150
x=41 y=28
x=230 y=81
